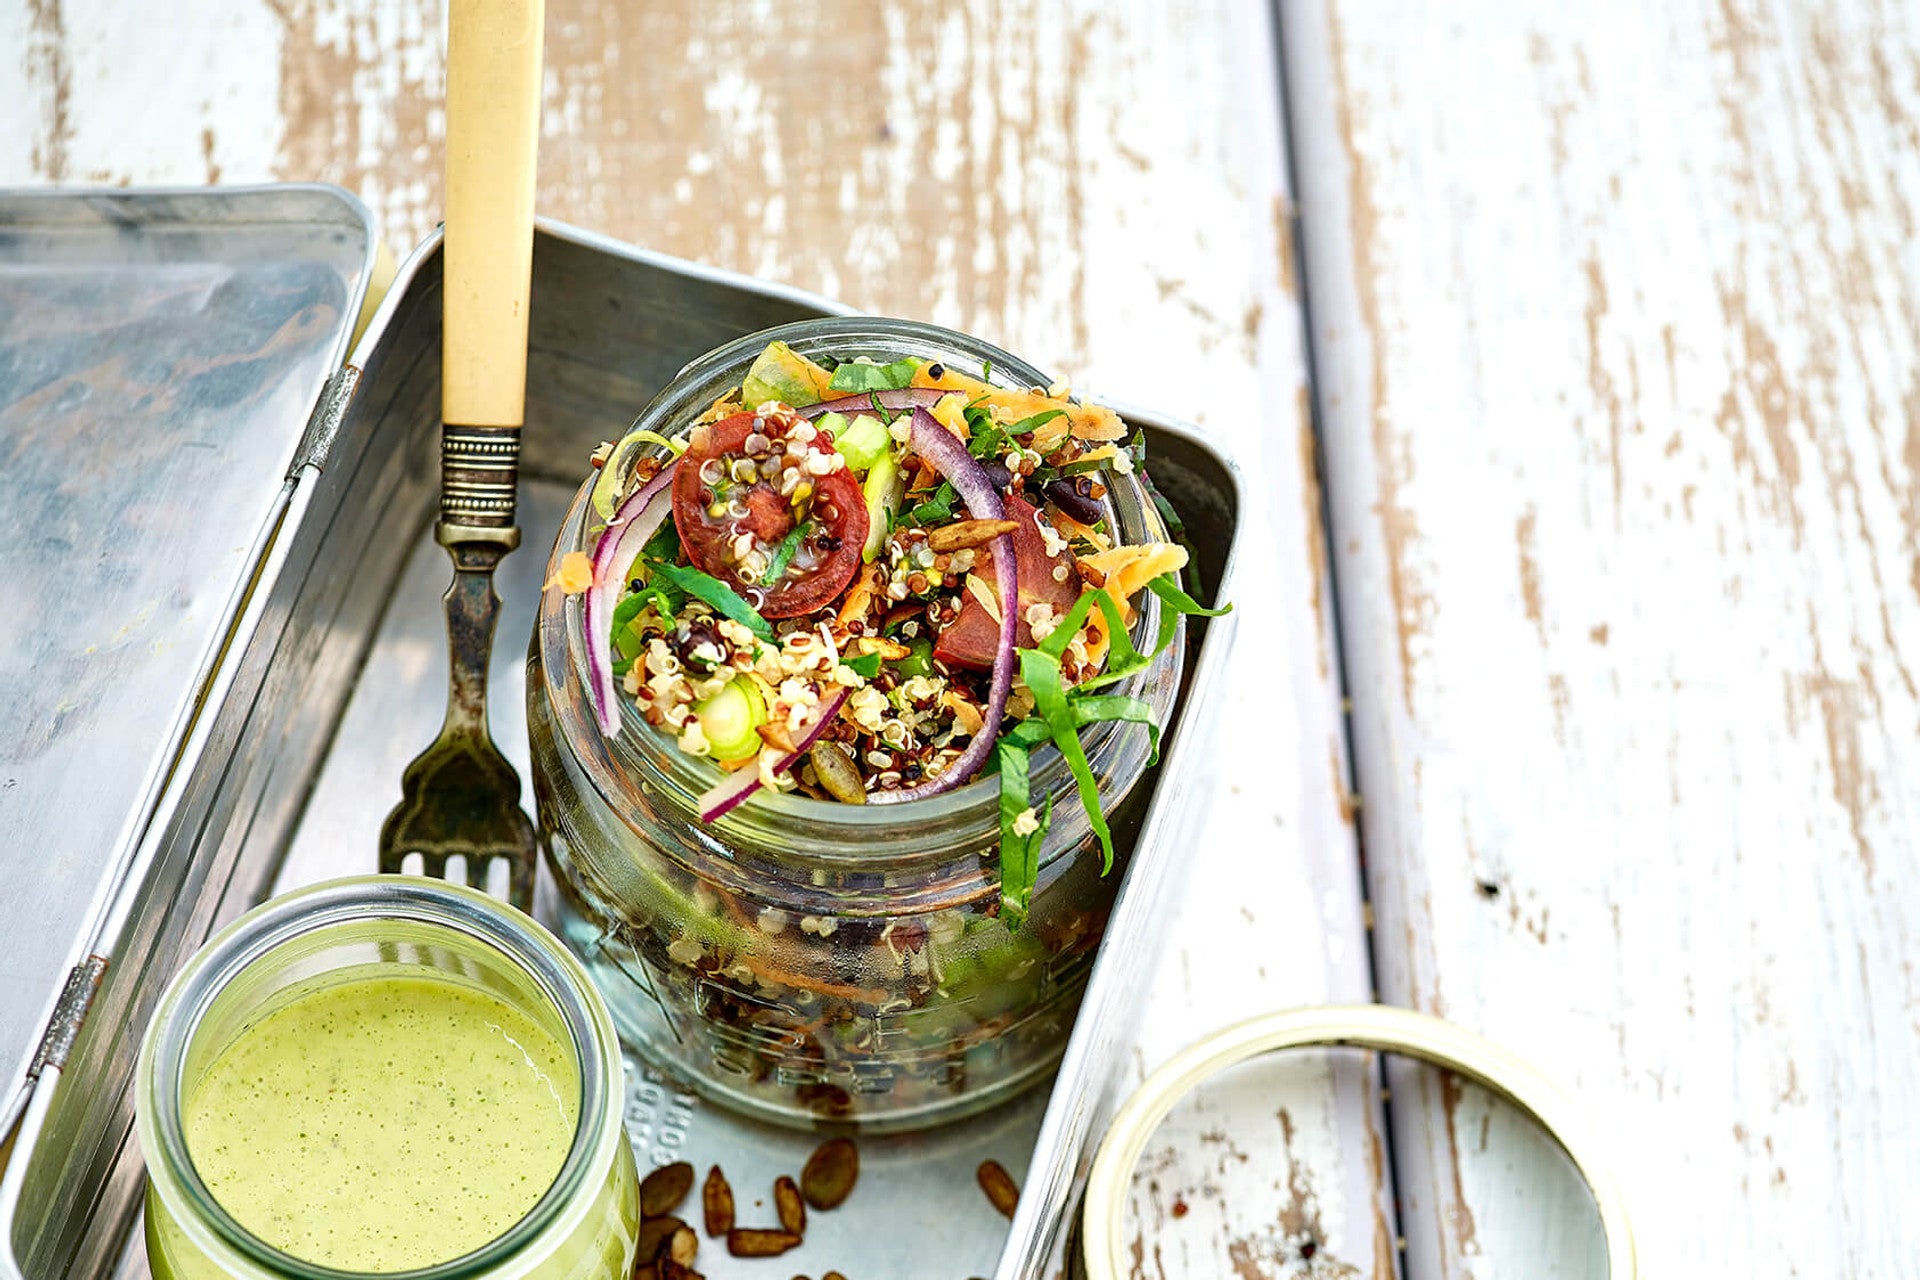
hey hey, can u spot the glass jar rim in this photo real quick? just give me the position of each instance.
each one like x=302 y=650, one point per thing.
x=788 y=824
x=455 y=909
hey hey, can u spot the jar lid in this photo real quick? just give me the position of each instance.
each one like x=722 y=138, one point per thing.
x=1384 y=1028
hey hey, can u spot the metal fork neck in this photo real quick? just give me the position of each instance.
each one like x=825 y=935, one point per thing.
x=473 y=612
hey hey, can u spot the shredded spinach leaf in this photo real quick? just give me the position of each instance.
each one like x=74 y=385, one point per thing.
x=1019 y=855
x=1035 y=422
x=704 y=586
x=664 y=544
x=853 y=378
x=784 y=553
x=936 y=509
x=1060 y=713
x=1041 y=671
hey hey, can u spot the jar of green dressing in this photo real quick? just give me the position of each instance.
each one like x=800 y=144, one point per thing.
x=385 y=1075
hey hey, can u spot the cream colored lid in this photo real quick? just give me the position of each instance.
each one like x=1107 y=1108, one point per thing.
x=1384 y=1028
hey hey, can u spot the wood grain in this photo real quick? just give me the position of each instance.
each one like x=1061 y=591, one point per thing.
x=1055 y=177
x=1615 y=315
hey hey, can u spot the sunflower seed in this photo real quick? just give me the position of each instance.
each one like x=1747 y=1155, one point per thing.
x=999 y=1186
x=788 y=1204
x=753 y=1242
x=716 y=1203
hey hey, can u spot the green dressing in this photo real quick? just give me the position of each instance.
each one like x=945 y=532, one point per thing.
x=384 y=1124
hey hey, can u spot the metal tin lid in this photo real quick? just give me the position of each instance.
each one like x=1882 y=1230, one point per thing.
x=1383 y=1028
x=160 y=355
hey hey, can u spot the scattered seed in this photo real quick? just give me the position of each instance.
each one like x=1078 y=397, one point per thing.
x=838 y=774
x=682 y=1245
x=716 y=1203
x=999 y=1186
x=968 y=533
x=668 y=1269
x=753 y=1242
x=775 y=734
x=787 y=1203
x=833 y=1275
x=656 y=1235
x=831 y=1171
x=662 y=1190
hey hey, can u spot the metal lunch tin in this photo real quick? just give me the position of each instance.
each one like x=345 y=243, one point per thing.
x=320 y=679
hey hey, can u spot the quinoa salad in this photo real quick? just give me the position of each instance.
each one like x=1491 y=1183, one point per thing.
x=873 y=582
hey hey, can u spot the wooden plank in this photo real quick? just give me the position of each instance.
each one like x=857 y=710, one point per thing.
x=1054 y=177
x=1615 y=312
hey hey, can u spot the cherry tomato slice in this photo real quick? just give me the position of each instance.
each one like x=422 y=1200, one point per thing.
x=834 y=515
x=973 y=637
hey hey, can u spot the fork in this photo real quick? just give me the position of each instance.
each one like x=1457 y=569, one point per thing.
x=460 y=797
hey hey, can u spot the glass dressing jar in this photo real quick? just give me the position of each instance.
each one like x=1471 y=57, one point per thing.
x=810 y=963
x=377 y=928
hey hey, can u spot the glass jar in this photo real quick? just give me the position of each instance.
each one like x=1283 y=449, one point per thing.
x=377 y=927
x=811 y=963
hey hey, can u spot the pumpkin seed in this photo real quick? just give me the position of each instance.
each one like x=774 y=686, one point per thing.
x=837 y=773
x=662 y=1190
x=831 y=1171
x=716 y=1203
x=788 y=1204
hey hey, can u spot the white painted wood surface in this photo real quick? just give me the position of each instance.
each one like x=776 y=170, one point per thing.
x=1055 y=177
x=1615 y=316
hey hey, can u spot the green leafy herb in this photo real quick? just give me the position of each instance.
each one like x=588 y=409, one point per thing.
x=866 y=666
x=853 y=378
x=1035 y=422
x=1041 y=671
x=985 y=437
x=629 y=609
x=1019 y=854
x=664 y=545
x=1060 y=713
x=719 y=595
x=784 y=553
x=986 y=371
x=936 y=509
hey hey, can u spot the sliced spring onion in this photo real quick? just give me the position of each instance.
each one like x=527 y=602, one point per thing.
x=613 y=472
x=731 y=719
x=723 y=797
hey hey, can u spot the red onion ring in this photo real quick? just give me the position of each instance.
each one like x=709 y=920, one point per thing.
x=961 y=469
x=724 y=796
x=905 y=398
x=613 y=555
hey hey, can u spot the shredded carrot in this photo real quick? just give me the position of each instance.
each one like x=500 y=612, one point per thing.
x=1087 y=421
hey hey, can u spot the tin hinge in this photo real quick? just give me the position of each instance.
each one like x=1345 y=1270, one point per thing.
x=324 y=425
x=69 y=1014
